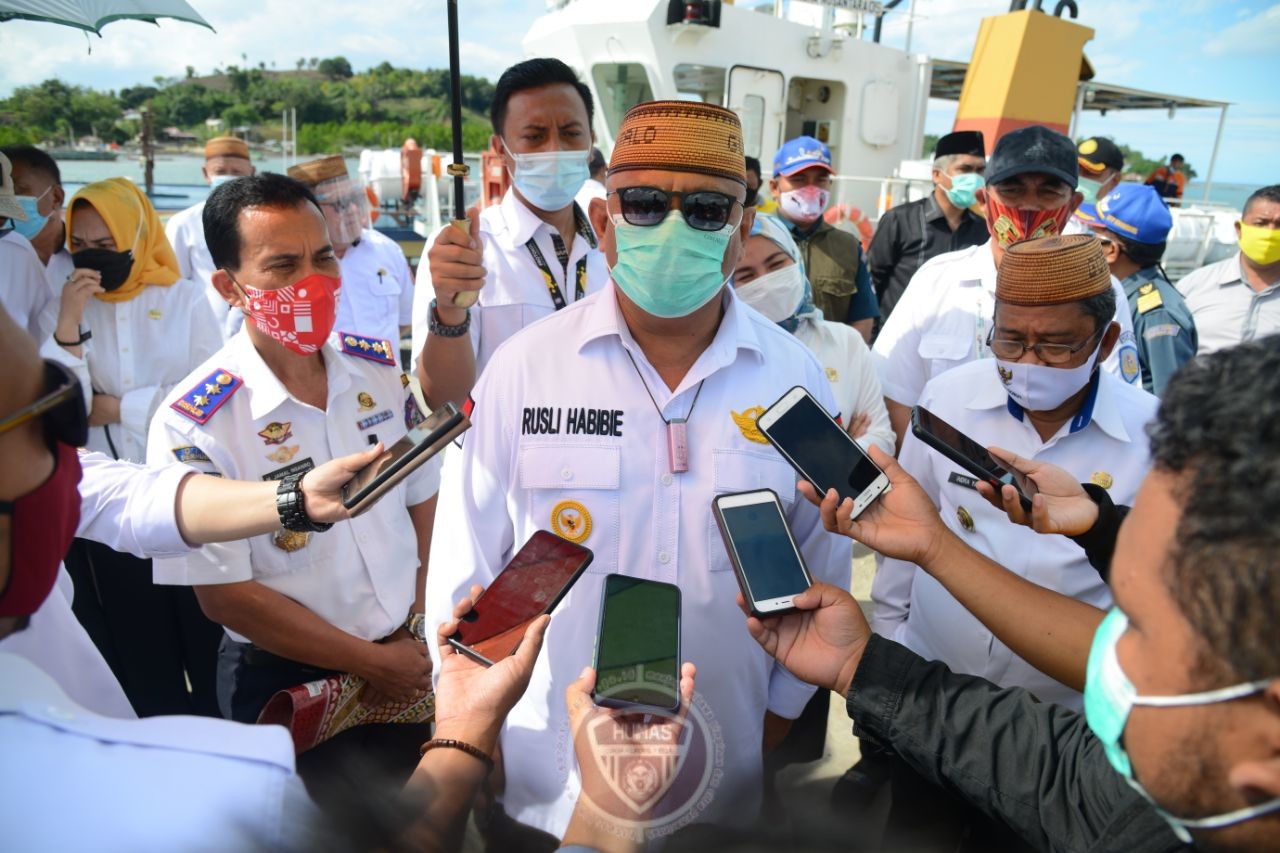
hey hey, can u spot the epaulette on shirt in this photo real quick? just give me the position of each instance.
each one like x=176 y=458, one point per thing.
x=207 y=396
x=374 y=349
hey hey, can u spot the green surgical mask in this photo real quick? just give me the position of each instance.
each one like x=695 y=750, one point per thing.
x=1089 y=189
x=669 y=269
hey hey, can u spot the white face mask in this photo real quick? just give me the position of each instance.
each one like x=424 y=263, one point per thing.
x=1041 y=388
x=804 y=205
x=549 y=180
x=776 y=295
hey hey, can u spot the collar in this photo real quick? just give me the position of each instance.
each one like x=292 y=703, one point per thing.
x=1132 y=283
x=266 y=392
x=800 y=233
x=522 y=223
x=1099 y=406
x=23 y=683
x=932 y=210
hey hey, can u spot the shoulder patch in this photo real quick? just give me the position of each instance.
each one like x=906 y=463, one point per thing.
x=1163 y=330
x=200 y=403
x=363 y=346
x=190 y=454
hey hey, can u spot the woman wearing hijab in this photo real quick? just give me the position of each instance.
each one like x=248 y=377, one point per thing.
x=141 y=334
x=771 y=279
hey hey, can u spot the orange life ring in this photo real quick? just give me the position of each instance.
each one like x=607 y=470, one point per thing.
x=862 y=225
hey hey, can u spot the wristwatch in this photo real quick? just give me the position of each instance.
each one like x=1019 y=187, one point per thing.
x=443 y=330
x=416 y=624
x=292 y=509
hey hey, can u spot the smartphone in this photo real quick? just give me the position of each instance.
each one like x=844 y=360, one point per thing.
x=764 y=554
x=532 y=583
x=638 y=645
x=403 y=458
x=820 y=450
x=967 y=453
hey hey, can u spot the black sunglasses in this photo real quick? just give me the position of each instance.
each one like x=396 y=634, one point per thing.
x=704 y=210
x=61 y=408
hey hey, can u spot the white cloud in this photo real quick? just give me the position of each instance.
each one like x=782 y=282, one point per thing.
x=1254 y=36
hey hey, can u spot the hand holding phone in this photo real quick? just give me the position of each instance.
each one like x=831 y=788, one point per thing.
x=967 y=453
x=764 y=554
x=404 y=457
x=638 y=645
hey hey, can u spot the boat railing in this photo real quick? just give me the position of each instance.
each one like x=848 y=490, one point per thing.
x=889 y=192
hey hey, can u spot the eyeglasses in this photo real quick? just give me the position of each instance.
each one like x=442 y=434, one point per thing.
x=61 y=407
x=704 y=210
x=1048 y=353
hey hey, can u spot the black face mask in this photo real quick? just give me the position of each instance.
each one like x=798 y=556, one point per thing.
x=114 y=266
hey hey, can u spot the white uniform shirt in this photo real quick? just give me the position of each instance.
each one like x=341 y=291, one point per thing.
x=377 y=291
x=563 y=421
x=943 y=318
x=185 y=230
x=515 y=293
x=59 y=268
x=359 y=575
x=1226 y=309
x=129 y=508
x=140 y=349
x=848 y=364
x=914 y=609
x=74 y=780
x=24 y=289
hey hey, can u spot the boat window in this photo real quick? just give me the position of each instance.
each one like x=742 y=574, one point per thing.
x=700 y=83
x=752 y=116
x=620 y=85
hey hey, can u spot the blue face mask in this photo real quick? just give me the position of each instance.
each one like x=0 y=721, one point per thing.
x=218 y=180
x=35 y=219
x=549 y=180
x=964 y=189
x=669 y=269
x=1109 y=697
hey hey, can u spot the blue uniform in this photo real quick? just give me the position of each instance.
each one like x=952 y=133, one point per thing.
x=1163 y=326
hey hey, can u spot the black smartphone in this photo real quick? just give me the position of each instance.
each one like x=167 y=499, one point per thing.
x=537 y=577
x=403 y=458
x=820 y=449
x=638 y=645
x=764 y=554
x=964 y=451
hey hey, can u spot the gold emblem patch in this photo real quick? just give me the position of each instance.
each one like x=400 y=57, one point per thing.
x=746 y=423
x=284 y=454
x=277 y=432
x=365 y=399
x=833 y=375
x=1006 y=376
x=1102 y=479
x=966 y=520
x=291 y=540
x=571 y=520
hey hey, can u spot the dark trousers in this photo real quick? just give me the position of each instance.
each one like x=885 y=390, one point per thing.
x=155 y=638
x=350 y=776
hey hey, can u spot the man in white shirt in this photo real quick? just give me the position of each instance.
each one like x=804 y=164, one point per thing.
x=38 y=184
x=377 y=291
x=580 y=422
x=25 y=295
x=525 y=258
x=944 y=315
x=1238 y=298
x=278 y=399
x=225 y=159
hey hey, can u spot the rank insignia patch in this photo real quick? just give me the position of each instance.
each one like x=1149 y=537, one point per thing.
x=374 y=349
x=571 y=520
x=190 y=454
x=276 y=432
x=746 y=423
x=283 y=454
x=208 y=395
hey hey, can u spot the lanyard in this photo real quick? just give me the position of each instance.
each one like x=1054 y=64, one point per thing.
x=562 y=255
x=677 y=428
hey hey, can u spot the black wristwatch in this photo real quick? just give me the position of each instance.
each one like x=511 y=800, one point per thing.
x=443 y=330
x=292 y=509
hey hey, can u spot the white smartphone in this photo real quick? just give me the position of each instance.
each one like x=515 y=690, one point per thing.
x=820 y=449
x=765 y=557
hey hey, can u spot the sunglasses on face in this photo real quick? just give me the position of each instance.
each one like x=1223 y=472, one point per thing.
x=60 y=407
x=704 y=210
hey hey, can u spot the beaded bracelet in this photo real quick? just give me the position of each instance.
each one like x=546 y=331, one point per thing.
x=449 y=743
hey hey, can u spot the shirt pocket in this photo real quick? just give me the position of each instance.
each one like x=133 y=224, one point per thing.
x=944 y=351
x=745 y=471
x=283 y=553
x=573 y=489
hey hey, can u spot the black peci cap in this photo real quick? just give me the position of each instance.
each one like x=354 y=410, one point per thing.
x=1097 y=154
x=1033 y=149
x=961 y=142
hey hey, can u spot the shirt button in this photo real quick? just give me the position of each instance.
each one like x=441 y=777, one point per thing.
x=566 y=474
x=666 y=479
x=664 y=557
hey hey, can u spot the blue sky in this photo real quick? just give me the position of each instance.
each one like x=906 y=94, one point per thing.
x=1215 y=49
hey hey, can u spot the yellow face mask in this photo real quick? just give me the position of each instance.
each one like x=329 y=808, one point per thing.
x=1260 y=244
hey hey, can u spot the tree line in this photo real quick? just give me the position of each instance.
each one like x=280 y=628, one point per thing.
x=336 y=106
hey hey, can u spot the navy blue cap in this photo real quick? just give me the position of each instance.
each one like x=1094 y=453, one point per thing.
x=800 y=153
x=1033 y=149
x=1135 y=212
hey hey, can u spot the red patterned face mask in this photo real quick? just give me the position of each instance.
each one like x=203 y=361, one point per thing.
x=300 y=316
x=42 y=524
x=1009 y=225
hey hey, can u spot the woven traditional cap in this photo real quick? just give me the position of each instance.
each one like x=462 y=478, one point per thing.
x=1053 y=270
x=313 y=172
x=226 y=146
x=681 y=136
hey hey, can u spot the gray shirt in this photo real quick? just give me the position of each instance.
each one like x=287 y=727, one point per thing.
x=1226 y=309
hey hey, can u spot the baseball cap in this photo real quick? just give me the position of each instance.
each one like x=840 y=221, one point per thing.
x=1033 y=149
x=1136 y=212
x=800 y=153
x=1097 y=154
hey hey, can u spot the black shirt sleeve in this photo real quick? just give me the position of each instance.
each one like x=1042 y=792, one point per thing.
x=1033 y=765
x=1099 y=542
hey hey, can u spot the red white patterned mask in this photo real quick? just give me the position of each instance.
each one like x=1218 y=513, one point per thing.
x=300 y=316
x=1009 y=225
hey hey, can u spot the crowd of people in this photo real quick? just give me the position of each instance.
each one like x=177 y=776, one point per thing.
x=186 y=403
